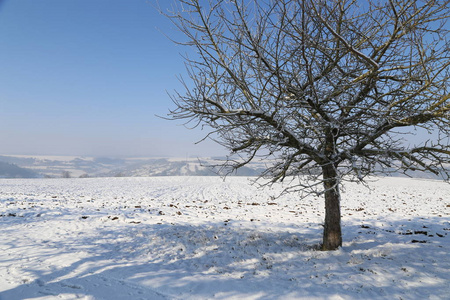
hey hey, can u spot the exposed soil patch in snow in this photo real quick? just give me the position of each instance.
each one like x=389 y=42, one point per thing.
x=202 y=238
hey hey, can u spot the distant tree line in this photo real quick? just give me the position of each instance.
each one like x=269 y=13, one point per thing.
x=8 y=170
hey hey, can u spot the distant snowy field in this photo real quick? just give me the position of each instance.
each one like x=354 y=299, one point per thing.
x=203 y=238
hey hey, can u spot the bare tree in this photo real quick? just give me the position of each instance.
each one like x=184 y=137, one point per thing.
x=329 y=90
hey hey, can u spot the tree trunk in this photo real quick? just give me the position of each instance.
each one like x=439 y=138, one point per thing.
x=332 y=236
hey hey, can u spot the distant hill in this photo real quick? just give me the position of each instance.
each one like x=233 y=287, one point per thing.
x=18 y=166
x=8 y=170
x=74 y=166
x=80 y=166
x=178 y=167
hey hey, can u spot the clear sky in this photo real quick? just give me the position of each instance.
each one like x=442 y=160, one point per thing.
x=87 y=77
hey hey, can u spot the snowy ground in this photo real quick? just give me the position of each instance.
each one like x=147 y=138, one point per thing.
x=202 y=238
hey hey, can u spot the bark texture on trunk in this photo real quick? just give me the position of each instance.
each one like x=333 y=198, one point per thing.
x=332 y=235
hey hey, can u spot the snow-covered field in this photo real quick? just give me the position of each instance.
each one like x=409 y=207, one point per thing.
x=202 y=238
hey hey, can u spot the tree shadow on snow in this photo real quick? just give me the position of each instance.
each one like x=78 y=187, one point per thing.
x=224 y=260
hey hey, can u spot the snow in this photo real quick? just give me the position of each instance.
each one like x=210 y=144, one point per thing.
x=205 y=238
x=64 y=158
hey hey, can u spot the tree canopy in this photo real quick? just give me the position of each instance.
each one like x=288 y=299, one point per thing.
x=328 y=90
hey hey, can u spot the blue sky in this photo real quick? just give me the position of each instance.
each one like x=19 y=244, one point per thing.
x=84 y=77
x=87 y=77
